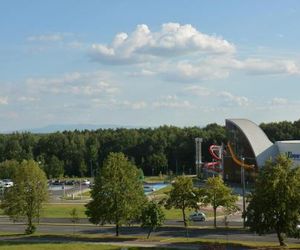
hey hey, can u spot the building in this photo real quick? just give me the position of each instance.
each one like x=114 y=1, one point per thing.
x=251 y=147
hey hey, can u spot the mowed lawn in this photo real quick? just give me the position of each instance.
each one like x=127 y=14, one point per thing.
x=64 y=210
x=57 y=246
x=56 y=210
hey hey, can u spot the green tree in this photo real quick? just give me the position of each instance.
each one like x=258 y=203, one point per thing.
x=118 y=194
x=54 y=168
x=217 y=194
x=158 y=161
x=25 y=198
x=8 y=169
x=275 y=202
x=152 y=216
x=183 y=196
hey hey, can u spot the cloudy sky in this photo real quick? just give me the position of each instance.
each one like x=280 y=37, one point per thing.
x=148 y=63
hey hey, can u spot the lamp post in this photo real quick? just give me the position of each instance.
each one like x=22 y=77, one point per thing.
x=243 y=189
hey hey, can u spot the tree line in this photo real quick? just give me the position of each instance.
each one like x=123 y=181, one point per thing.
x=154 y=150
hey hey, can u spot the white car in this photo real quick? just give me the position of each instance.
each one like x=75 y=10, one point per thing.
x=86 y=182
x=7 y=183
x=198 y=216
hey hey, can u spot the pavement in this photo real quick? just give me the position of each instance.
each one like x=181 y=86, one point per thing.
x=172 y=229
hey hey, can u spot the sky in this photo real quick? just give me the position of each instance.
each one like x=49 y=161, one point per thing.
x=148 y=63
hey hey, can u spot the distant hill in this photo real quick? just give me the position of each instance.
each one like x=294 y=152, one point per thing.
x=71 y=127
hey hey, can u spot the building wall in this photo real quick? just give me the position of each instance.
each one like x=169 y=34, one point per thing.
x=291 y=149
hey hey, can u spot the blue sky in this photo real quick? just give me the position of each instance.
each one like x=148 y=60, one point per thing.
x=148 y=63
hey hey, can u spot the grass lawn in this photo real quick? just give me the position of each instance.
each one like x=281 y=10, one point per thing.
x=56 y=246
x=96 y=238
x=62 y=210
x=155 y=178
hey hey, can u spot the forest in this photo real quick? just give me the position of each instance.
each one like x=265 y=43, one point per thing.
x=154 y=150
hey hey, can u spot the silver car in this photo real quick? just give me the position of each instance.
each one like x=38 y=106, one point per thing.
x=198 y=216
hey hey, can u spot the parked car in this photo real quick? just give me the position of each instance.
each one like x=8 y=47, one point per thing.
x=7 y=183
x=86 y=182
x=70 y=182
x=198 y=216
x=149 y=189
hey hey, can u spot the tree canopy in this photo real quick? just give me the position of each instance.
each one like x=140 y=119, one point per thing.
x=274 y=205
x=118 y=194
x=25 y=198
x=152 y=216
x=154 y=150
x=182 y=196
x=217 y=194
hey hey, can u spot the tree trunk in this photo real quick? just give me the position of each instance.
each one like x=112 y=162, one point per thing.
x=184 y=219
x=149 y=232
x=117 y=229
x=185 y=223
x=215 y=217
x=280 y=238
x=30 y=227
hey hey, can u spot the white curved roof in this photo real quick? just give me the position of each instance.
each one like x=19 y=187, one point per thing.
x=262 y=147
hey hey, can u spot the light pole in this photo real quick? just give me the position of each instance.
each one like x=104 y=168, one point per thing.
x=243 y=189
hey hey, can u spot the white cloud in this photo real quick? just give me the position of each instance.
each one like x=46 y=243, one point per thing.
x=28 y=99
x=3 y=100
x=260 y=66
x=199 y=90
x=172 y=102
x=278 y=101
x=171 y=40
x=113 y=103
x=191 y=72
x=89 y=84
x=220 y=67
x=143 y=72
x=51 y=37
x=231 y=99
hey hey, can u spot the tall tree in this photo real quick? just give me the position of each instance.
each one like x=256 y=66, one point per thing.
x=54 y=167
x=118 y=194
x=25 y=198
x=183 y=196
x=152 y=216
x=275 y=202
x=8 y=169
x=217 y=194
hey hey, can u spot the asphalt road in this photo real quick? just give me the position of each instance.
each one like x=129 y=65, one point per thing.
x=171 y=229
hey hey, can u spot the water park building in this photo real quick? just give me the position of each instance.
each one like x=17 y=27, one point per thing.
x=248 y=147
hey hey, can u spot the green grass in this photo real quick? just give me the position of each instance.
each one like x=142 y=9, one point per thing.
x=98 y=238
x=155 y=178
x=56 y=246
x=176 y=214
x=163 y=191
x=62 y=210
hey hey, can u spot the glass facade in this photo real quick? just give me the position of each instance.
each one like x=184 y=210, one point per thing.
x=242 y=150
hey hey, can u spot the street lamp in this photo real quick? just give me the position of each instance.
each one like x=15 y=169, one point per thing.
x=243 y=189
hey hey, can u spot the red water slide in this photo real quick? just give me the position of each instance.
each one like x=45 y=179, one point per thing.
x=215 y=166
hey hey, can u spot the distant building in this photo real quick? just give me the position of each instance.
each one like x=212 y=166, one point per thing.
x=251 y=146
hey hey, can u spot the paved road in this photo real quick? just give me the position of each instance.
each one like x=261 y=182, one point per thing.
x=167 y=231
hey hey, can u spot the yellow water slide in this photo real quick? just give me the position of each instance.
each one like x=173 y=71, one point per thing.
x=239 y=162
